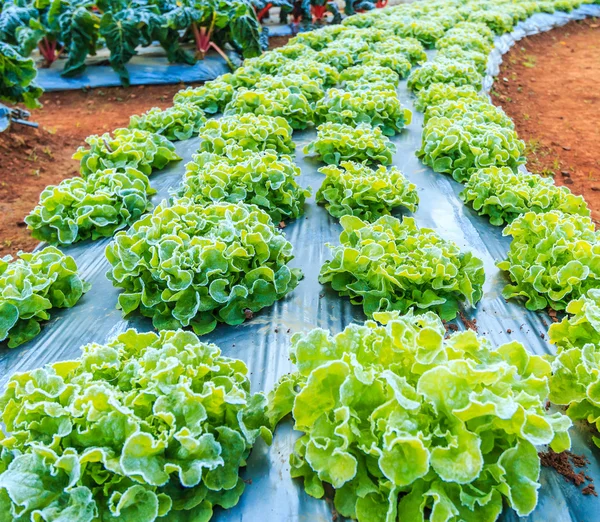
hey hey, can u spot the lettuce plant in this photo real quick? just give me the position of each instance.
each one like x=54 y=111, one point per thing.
x=358 y=86
x=92 y=207
x=249 y=131
x=180 y=122
x=370 y=73
x=406 y=424
x=210 y=97
x=337 y=142
x=263 y=179
x=576 y=368
x=30 y=287
x=292 y=51
x=498 y=21
x=337 y=57
x=455 y=52
x=461 y=147
x=425 y=31
x=409 y=47
x=553 y=259
x=352 y=45
x=324 y=72
x=149 y=426
x=292 y=106
x=311 y=88
x=476 y=110
x=575 y=382
x=398 y=62
x=139 y=149
x=466 y=40
x=444 y=71
x=473 y=27
x=439 y=93
x=374 y=107
x=503 y=195
x=581 y=325
x=356 y=190
x=198 y=265
x=391 y=264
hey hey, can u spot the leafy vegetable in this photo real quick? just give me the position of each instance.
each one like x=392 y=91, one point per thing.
x=17 y=78
x=408 y=425
x=139 y=149
x=249 y=131
x=425 y=31
x=439 y=93
x=455 y=52
x=476 y=110
x=210 y=97
x=328 y=75
x=552 y=259
x=444 y=71
x=582 y=324
x=336 y=57
x=398 y=62
x=504 y=195
x=198 y=265
x=179 y=122
x=409 y=47
x=92 y=207
x=336 y=142
x=355 y=189
x=263 y=179
x=370 y=73
x=466 y=40
x=148 y=426
x=292 y=106
x=30 y=287
x=374 y=107
x=498 y=21
x=311 y=88
x=460 y=147
x=393 y=265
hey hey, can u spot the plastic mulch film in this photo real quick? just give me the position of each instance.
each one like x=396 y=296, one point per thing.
x=263 y=343
x=144 y=69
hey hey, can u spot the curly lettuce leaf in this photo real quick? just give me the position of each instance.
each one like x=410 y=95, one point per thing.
x=146 y=426
x=356 y=190
x=553 y=259
x=263 y=179
x=503 y=195
x=392 y=264
x=180 y=122
x=30 y=287
x=406 y=423
x=199 y=265
x=138 y=149
x=92 y=207
x=336 y=142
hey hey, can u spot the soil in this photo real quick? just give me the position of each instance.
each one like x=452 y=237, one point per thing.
x=565 y=463
x=548 y=85
x=31 y=159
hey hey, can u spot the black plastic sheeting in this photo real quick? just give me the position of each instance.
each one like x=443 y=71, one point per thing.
x=144 y=69
x=263 y=342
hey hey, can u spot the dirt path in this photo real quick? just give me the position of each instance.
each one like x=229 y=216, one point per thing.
x=549 y=84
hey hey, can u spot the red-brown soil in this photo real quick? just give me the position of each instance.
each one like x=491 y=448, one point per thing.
x=31 y=159
x=549 y=84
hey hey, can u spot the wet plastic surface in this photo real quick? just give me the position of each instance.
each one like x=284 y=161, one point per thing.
x=143 y=69
x=263 y=342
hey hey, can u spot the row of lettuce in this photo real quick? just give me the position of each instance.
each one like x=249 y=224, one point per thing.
x=404 y=421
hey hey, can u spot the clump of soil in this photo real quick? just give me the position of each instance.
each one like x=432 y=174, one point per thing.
x=565 y=463
x=31 y=159
x=548 y=85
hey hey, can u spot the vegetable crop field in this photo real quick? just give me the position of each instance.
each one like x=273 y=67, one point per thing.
x=321 y=286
